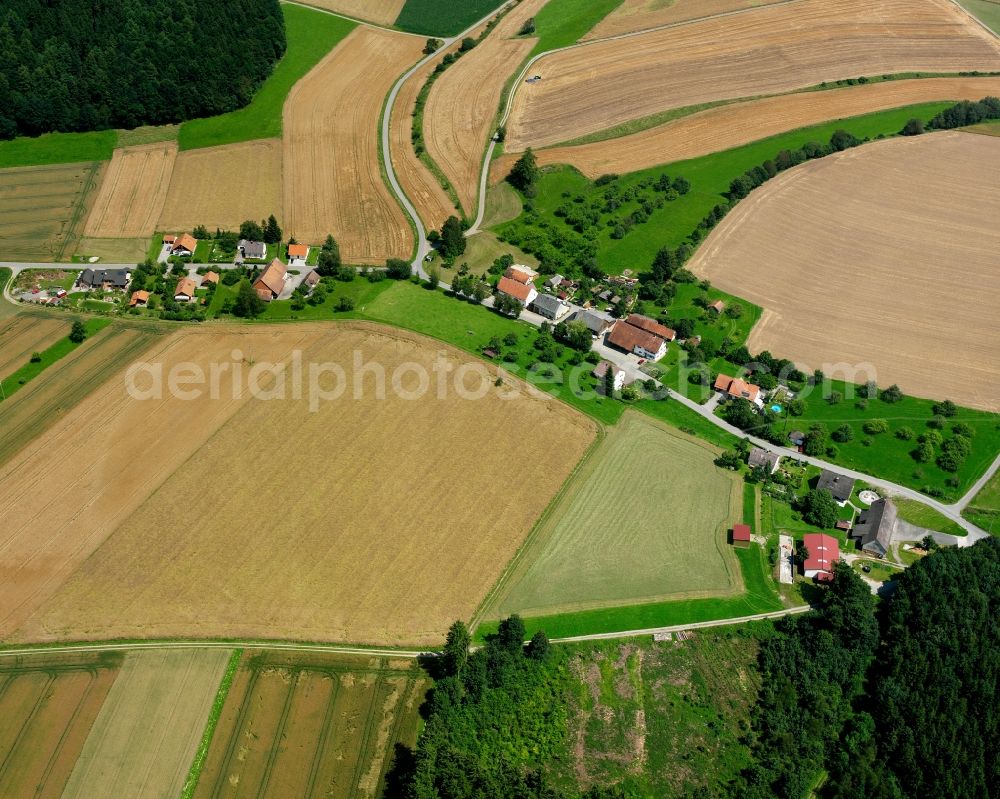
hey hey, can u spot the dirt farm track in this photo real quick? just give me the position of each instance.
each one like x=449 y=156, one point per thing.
x=900 y=271
x=772 y=49
x=282 y=544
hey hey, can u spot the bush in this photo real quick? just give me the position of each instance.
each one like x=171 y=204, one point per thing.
x=875 y=426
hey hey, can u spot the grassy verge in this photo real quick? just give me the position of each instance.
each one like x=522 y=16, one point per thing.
x=16 y=381
x=917 y=513
x=191 y=783
x=311 y=35
x=984 y=509
x=561 y=23
x=58 y=148
x=987 y=11
x=759 y=596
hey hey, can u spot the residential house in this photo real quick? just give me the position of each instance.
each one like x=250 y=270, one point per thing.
x=837 y=484
x=823 y=551
x=554 y=281
x=184 y=246
x=741 y=535
x=106 y=279
x=843 y=524
x=664 y=332
x=735 y=388
x=210 y=277
x=252 y=250
x=523 y=292
x=637 y=341
x=597 y=321
x=550 y=307
x=797 y=437
x=297 y=254
x=763 y=459
x=694 y=341
x=601 y=373
x=718 y=306
x=875 y=528
x=521 y=273
x=271 y=282
x=185 y=290
x=138 y=298
x=311 y=280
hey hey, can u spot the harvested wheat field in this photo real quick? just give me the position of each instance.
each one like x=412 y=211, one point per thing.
x=641 y=15
x=23 y=334
x=132 y=193
x=728 y=126
x=48 y=704
x=462 y=106
x=332 y=174
x=900 y=272
x=312 y=726
x=222 y=186
x=431 y=201
x=281 y=543
x=145 y=737
x=765 y=51
x=382 y=12
x=114 y=464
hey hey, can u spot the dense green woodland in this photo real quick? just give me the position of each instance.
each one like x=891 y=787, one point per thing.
x=76 y=65
x=857 y=701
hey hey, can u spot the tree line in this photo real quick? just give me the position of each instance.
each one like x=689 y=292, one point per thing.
x=79 y=65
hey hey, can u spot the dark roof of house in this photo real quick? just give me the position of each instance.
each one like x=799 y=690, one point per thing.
x=762 y=457
x=597 y=321
x=252 y=249
x=546 y=302
x=651 y=325
x=628 y=337
x=837 y=484
x=875 y=527
x=98 y=277
x=797 y=436
x=312 y=278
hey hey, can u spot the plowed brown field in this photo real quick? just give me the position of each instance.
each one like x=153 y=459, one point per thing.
x=222 y=186
x=132 y=193
x=769 y=50
x=67 y=491
x=640 y=15
x=383 y=12
x=431 y=201
x=729 y=126
x=900 y=271
x=332 y=175
x=24 y=334
x=463 y=103
x=281 y=542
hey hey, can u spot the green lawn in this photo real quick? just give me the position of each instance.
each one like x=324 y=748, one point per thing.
x=311 y=35
x=888 y=456
x=442 y=17
x=482 y=250
x=709 y=176
x=563 y=22
x=986 y=10
x=58 y=148
x=17 y=380
x=917 y=513
x=360 y=291
x=984 y=509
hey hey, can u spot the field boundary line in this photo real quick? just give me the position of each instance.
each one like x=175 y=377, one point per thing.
x=279 y=732
x=317 y=758
x=15 y=650
x=358 y=20
x=367 y=747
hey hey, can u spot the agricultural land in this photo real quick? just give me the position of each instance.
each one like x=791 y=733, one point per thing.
x=641 y=15
x=24 y=334
x=442 y=17
x=737 y=124
x=132 y=193
x=43 y=208
x=623 y=532
x=872 y=305
x=144 y=738
x=381 y=12
x=312 y=726
x=332 y=171
x=308 y=571
x=593 y=87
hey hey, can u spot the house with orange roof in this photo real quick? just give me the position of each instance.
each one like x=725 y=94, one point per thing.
x=521 y=273
x=210 y=277
x=718 y=306
x=185 y=290
x=271 y=282
x=297 y=254
x=637 y=341
x=184 y=246
x=822 y=552
x=651 y=325
x=522 y=292
x=138 y=298
x=735 y=388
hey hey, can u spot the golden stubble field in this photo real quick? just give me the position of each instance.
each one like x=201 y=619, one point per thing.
x=222 y=186
x=375 y=521
x=132 y=193
x=640 y=15
x=728 y=126
x=886 y=254
x=382 y=12
x=463 y=102
x=24 y=334
x=332 y=173
x=768 y=50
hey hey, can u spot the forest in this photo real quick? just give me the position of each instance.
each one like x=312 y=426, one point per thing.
x=79 y=65
x=895 y=699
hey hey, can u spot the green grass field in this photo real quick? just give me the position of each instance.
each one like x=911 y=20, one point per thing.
x=361 y=292
x=482 y=250
x=917 y=513
x=693 y=699
x=709 y=176
x=984 y=510
x=311 y=35
x=988 y=11
x=442 y=17
x=58 y=148
x=561 y=23
x=628 y=530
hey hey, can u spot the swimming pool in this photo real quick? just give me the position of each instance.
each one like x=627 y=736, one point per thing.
x=776 y=408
